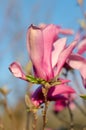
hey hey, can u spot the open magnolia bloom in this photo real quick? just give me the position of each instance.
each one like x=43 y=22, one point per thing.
x=48 y=54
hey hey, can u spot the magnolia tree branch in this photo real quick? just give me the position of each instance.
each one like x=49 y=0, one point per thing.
x=45 y=92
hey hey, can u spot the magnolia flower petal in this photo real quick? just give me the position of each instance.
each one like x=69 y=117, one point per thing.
x=75 y=61
x=64 y=55
x=59 y=45
x=35 y=46
x=64 y=80
x=84 y=81
x=59 y=89
x=66 y=31
x=37 y=97
x=16 y=70
x=49 y=36
x=78 y=62
x=82 y=46
x=83 y=73
x=78 y=35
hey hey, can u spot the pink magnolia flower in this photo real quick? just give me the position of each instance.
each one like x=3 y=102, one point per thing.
x=46 y=50
x=48 y=53
x=55 y=93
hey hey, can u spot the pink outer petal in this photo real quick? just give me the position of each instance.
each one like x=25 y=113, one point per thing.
x=59 y=89
x=59 y=45
x=39 y=44
x=66 y=31
x=37 y=97
x=54 y=94
x=16 y=70
x=82 y=46
x=63 y=81
x=84 y=81
x=35 y=46
x=64 y=55
x=49 y=36
x=78 y=35
x=78 y=62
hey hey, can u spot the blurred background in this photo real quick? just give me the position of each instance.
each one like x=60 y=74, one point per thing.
x=15 y=17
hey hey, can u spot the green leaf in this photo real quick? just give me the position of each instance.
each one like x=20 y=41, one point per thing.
x=83 y=96
x=35 y=80
x=31 y=79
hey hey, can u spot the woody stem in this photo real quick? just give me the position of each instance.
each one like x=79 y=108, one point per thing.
x=45 y=107
x=34 y=120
